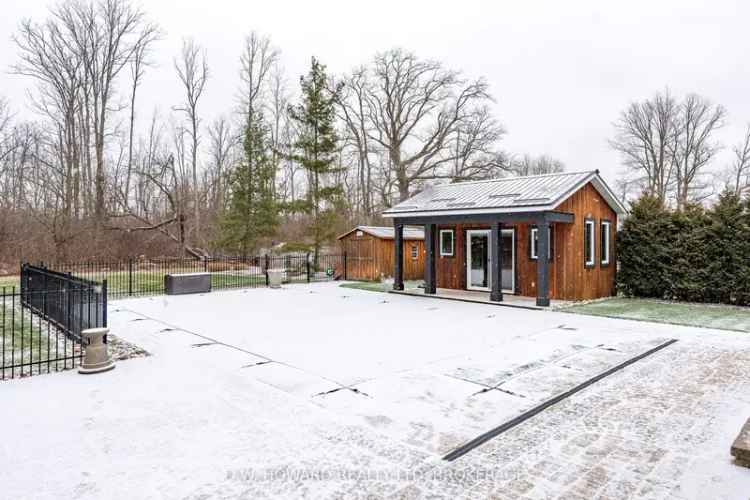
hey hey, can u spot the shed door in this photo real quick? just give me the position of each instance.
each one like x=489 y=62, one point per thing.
x=479 y=262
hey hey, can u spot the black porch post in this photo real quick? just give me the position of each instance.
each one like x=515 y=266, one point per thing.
x=398 y=256
x=542 y=263
x=496 y=256
x=430 y=285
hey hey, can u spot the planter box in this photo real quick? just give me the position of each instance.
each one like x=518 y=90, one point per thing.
x=179 y=284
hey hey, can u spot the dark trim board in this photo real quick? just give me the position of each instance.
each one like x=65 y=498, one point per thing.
x=562 y=217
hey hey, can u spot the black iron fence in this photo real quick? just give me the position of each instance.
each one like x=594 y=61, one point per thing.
x=141 y=276
x=71 y=303
x=41 y=322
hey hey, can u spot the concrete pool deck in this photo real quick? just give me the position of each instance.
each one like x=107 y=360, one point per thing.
x=321 y=392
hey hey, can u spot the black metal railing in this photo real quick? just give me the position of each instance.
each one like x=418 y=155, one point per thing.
x=41 y=321
x=135 y=277
x=71 y=303
x=28 y=343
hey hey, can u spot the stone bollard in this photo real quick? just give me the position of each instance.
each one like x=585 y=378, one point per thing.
x=96 y=359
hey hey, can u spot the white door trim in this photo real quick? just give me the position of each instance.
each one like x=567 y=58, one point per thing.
x=469 y=234
x=472 y=232
x=512 y=233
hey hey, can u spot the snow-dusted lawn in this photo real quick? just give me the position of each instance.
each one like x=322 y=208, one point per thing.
x=247 y=390
x=678 y=313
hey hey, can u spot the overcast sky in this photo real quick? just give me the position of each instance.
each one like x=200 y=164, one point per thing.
x=560 y=71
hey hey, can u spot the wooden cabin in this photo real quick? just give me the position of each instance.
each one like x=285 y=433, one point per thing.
x=369 y=253
x=491 y=236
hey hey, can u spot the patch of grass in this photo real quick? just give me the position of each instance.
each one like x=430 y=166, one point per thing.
x=21 y=338
x=718 y=316
x=374 y=286
x=9 y=282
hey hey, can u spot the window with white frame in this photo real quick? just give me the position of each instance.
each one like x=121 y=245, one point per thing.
x=588 y=242
x=534 y=242
x=446 y=243
x=606 y=237
x=414 y=252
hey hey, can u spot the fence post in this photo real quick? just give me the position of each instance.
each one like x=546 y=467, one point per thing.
x=307 y=265
x=130 y=276
x=268 y=282
x=44 y=307
x=104 y=305
x=205 y=263
x=344 y=266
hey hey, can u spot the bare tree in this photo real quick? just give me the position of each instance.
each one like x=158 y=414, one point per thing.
x=162 y=190
x=668 y=144
x=137 y=68
x=192 y=70
x=645 y=138
x=278 y=106
x=7 y=145
x=475 y=154
x=46 y=55
x=694 y=125
x=351 y=107
x=741 y=166
x=416 y=108
x=222 y=142
x=105 y=37
x=536 y=165
x=258 y=58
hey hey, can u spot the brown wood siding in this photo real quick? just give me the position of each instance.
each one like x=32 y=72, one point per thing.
x=569 y=279
x=451 y=271
x=574 y=281
x=370 y=258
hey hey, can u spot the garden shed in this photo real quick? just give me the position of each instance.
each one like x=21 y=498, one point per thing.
x=549 y=236
x=369 y=252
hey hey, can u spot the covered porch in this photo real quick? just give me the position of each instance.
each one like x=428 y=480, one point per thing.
x=491 y=255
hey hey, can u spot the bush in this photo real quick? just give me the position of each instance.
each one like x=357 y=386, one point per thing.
x=644 y=248
x=695 y=255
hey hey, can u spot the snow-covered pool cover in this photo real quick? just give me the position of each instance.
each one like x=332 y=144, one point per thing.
x=320 y=391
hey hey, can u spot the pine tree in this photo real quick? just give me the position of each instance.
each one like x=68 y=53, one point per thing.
x=645 y=250
x=726 y=246
x=689 y=270
x=253 y=211
x=316 y=148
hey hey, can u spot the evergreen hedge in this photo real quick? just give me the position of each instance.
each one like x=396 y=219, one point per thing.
x=694 y=255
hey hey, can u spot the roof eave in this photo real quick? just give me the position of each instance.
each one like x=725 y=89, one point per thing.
x=469 y=212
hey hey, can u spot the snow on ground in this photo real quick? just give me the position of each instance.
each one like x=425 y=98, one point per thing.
x=323 y=392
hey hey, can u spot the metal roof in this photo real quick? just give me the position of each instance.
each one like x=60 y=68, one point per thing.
x=386 y=233
x=512 y=194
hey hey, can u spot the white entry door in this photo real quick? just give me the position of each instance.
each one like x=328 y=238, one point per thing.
x=479 y=260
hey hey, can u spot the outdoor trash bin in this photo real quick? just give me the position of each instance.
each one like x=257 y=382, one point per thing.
x=274 y=277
